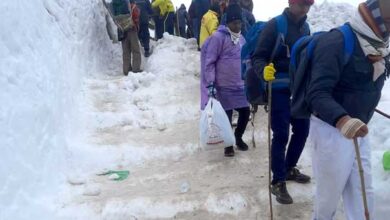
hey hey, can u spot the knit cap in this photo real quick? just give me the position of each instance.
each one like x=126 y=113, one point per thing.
x=233 y=12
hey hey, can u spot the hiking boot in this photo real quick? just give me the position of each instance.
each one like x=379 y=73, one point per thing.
x=229 y=151
x=241 y=145
x=294 y=175
x=137 y=71
x=279 y=189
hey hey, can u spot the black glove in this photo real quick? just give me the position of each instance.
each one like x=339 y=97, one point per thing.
x=212 y=91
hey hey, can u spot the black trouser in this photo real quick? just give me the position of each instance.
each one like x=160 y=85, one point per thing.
x=182 y=31
x=144 y=35
x=164 y=24
x=243 y=119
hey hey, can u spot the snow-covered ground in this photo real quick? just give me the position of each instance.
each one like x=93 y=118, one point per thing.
x=68 y=114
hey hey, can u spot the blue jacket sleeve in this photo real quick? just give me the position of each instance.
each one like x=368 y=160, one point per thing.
x=327 y=67
x=265 y=45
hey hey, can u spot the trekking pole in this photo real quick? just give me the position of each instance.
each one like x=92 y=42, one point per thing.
x=279 y=40
x=382 y=113
x=253 y=110
x=269 y=148
x=361 y=174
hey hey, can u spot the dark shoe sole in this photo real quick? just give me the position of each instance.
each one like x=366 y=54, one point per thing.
x=298 y=181
x=230 y=152
x=242 y=149
x=282 y=201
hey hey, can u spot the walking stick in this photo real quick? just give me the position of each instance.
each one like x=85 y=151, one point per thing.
x=279 y=40
x=269 y=148
x=361 y=174
x=382 y=113
x=253 y=110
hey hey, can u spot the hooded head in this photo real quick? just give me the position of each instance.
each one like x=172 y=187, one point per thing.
x=379 y=12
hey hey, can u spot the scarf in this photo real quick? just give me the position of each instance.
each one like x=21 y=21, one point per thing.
x=374 y=47
x=234 y=36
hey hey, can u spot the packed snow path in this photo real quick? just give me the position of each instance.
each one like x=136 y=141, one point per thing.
x=148 y=123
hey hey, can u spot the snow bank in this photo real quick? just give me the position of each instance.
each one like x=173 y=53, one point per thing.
x=46 y=47
x=325 y=16
x=155 y=99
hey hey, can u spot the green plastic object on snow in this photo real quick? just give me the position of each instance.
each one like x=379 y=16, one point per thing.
x=122 y=174
x=386 y=161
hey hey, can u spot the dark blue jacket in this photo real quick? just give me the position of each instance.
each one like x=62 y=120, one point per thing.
x=266 y=42
x=334 y=90
x=146 y=10
x=182 y=16
x=202 y=6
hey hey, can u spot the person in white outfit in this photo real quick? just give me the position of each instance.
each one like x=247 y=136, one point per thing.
x=342 y=98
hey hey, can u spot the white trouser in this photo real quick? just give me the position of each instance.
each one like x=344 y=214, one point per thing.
x=336 y=173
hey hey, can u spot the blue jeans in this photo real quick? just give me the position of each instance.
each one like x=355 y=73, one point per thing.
x=280 y=125
x=159 y=27
x=196 y=28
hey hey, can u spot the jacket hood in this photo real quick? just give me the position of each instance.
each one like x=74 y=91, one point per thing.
x=223 y=29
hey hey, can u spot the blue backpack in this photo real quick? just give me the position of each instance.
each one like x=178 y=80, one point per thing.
x=300 y=66
x=255 y=87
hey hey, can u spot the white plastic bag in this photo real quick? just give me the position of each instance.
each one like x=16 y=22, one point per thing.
x=215 y=128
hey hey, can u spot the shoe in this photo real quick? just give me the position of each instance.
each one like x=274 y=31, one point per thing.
x=279 y=189
x=241 y=145
x=294 y=175
x=137 y=71
x=229 y=151
x=147 y=53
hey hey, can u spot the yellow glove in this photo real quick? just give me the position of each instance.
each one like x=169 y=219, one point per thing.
x=269 y=72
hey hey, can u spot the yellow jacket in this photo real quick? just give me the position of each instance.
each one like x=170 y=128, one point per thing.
x=209 y=26
x=165 y=6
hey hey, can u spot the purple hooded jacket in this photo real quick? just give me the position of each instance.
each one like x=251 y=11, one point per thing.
x=221 y=64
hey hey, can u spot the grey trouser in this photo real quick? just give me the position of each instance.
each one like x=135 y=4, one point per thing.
x=130 y=45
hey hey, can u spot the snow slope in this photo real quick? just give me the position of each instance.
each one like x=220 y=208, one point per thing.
x=46 y=47
x=67 y=113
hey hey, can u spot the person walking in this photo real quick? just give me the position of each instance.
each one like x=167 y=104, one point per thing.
x=144 y=34
x=283 y=164
x=165 y=21
x=221 y=73
x=343 y=99
x=130 y=42
x=210 y=23
x=182 y=19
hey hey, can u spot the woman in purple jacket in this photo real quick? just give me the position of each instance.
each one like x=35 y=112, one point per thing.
x=220 y=73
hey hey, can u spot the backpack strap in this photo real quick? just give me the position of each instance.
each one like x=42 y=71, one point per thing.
x=281 y=24
x=349 y=41
x=349 y=44
x=306 y=28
